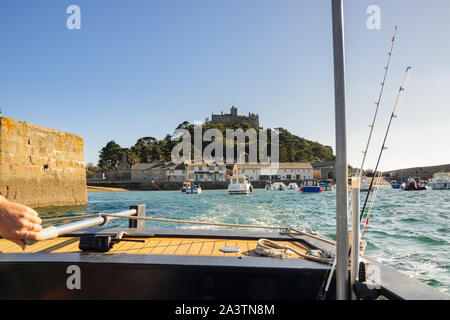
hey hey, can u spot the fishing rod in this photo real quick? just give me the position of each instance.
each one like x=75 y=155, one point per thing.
x=378 y=102
x=402 y=88
x=324 y=289
x=372 y=202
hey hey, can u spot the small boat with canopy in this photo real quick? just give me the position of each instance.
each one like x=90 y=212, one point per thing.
x=239 y=185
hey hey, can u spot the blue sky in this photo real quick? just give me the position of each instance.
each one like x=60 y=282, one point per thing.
x=139 y=68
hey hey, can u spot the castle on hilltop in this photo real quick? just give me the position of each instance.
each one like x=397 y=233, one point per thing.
x=252 y=119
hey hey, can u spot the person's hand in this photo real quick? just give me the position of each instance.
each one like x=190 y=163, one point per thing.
x=18 y=222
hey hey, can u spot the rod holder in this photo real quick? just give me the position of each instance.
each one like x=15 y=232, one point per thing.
x=140 y=212
x=356 y=182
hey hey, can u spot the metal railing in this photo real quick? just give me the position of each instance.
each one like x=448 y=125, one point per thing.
x=56 y=231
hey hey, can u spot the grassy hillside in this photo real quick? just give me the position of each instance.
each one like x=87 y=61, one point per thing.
x=291 y=147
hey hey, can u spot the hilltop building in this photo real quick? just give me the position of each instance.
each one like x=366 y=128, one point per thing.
x=252 y=119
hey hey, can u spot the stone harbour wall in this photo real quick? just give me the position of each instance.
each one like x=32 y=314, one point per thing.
x=422 y=172
x=41 y=167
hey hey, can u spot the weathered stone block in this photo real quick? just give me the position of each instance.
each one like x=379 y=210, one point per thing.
x=40 y=166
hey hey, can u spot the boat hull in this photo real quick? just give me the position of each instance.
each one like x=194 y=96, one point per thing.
x=325 y=187
x=240 y=189
x=239 y=192
x=311 y=189
x=366 y=187
x=49 y=275
x=192 y=190
x=162 y=278
x=440 y=186
x=396 y=185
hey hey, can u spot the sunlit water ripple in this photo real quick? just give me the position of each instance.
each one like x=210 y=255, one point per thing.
x=409 y=231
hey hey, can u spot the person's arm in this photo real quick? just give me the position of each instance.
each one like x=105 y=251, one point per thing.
x=18 y=222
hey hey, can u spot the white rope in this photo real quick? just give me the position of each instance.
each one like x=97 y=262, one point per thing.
x=193 y=222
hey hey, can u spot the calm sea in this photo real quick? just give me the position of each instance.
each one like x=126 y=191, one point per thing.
x=409 y=231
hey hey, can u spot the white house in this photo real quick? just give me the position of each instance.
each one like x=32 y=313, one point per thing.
x=176 y=172
x=206 y=172
x=272 y=171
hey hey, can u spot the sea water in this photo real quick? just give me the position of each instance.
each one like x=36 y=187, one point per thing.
x=408 y=230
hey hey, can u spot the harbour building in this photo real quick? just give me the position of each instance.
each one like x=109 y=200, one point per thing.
x=271 y=171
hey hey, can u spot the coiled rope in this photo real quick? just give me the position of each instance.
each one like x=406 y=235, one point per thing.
x=271 y=248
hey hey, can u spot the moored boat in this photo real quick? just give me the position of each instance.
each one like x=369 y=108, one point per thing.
x=279 y=186
x=185 y=186
x=396 y=184
x=325 y=186
x=239 y=185
x=440 y=181
x=292 y=186
x=413 y=184
x=310 y=186
x=195 y=189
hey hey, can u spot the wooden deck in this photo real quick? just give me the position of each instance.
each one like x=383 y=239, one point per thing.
x=153 y=246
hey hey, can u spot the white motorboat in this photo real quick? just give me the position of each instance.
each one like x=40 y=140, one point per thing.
x=325 y=186
x=279 y=186
x=239 y=185
x=292 y=186
x=193 y=190
x=440 y=181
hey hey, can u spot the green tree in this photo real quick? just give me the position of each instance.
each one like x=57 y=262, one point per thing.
x=143 y=149
x=183 y=125
x=110 y=155
x=291 y=147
